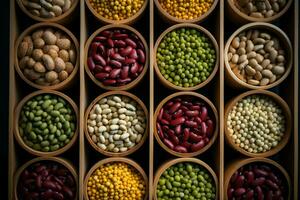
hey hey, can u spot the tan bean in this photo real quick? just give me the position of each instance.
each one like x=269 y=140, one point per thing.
x=273 y=79
x=259 y=58
x=60 y=3
x=267 y=73
x=46 y=4
x=253 y=62
x=232 y=50
x=235 y=58
x=53 y=53
x=269 y=13
x=63 y=75
x=249 y=70
x=67 y=5
x=273 y=55
x=23 y=62
x=252 y=54
x=39 y=67
x=30 y=45
x=258 y=67
x=276 y=7
x=37 y=34
x=278 y=70
x=72 y=55
x=280 y=59
x=48 y=62
x=256 y=15
x=31 y=74
x=242 y=58
x=229 y=56
x=265 y=36
x=255 y=34
x=49 y=38
x=39 y=43
x=42 y=81
x=261 y=51
x=249 y=7
x=57 y=10
x=259 y=41
x=30 y=63
x=264 y=81
x=69 y=67
x=269 y=66
x=236 y=42
x=243 y=64
x=241 y=51
x=37 y=54
x=64 y=55
x=22 y=49
x=258 y=76
x=253 y=82
x=63 y=44
x=265 y=63
x=250 y=46
x=51 y=76
x=258 y=47
x=59 y=64
x=269 y=45
x=243 y=44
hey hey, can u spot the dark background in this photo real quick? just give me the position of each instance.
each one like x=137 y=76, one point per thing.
x=4 y=94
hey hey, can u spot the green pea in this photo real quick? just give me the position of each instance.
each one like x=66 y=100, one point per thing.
x=54 y=147
x=46 y=149
x=46 y=104
x=45 y=143
x=62 y=138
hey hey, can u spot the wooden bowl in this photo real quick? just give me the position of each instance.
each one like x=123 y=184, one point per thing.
x=239 y=16
x=170 y=163
x=174 y=20
x=61 y=161
x=288 y=121
x=202 y=98
x=62 y=85
x=132 y=83
x=234 y=81
x=237 y=164
x=108 y=153
x=200 y=29
x=64 y=18
x=128 y=161
x=16 y=124
x=130 y=20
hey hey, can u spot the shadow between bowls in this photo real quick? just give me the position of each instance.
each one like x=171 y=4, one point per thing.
x=237 y=164
x=108 y=153
x=238 y=16
x=200 y=29
x=170 y=163
x=63 y=18
x=62 y=85
x=174 y=20
x=131 y=20
x=61 y=161
x=16 y=124
x=202 y=98
x=128 y=161
x=280 y=102
x=132 y=83
x=233 y=80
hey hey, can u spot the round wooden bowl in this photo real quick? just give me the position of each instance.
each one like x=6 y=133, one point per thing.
x=62 y=85
x=234 y=81
x=237 y=164
x=61 y=161
x=16 y=124
x=132 y=83
x=108 y=153
x=59 y=19
x=174 y=20
x=128 y=161
x=239 y=16
x=202 y=98
x=170 y=163
x=129 y=20
x=200 y=29
x=288 y=121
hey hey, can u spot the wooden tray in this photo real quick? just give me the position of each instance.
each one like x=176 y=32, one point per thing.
x=150 y=156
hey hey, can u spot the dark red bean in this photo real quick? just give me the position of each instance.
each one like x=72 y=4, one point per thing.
x=119 y=43
x=168 y=143
x=177 y=121
x=233 y=177
x=192 y=124
x=250 y=195
x=171 y=132
x=192 y=113
x=160 y=114
x=273 y=177
x=163 y=121
x=259 y=181
x=124 y=81
x=184 y=108
x=167 y=116
x=118 y=57
x=102 y=49
x=174 y=139
x=230 y=193
x=109 y=82
x=203 y=128
x=169 y=104
x=210 y=128
x=141 y=56
x=195 y=107
x=98 y=69
x=269 y=195
x=239 y=182
x=99 y=59
x=259 y=193
x=177 y=114
x=250 y=177
x=195 y=138
x=114 y=73
x=120 y=36
x=115 y=63
x=68 y=192
x=140 y=45
x=197 y=146
x=106 y=33
x=39 y=181
x=102 y=76
x=49 y=185
x=174 y=107
x=186 y=144
x=130 y=42
x=134 y=68
x=260 y=172
x=100 y=39
x=273 y=185
x=198 y=120
x=124 y=72
x=159 y=130
x=91 y=63
x=110 y=52
x=126 y=51
x=141 y=67
x=186 y=134
x=32 y=196
x=203 y=114
x=129 y=61
x=133 y=54
x=178 y=129
x=180 y=149
x=110 y=43
x=239 y=192
x=107 y=68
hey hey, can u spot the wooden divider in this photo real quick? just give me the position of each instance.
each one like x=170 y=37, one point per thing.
x=151 y=155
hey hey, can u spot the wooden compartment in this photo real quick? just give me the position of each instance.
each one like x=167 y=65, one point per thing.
x=151 y=91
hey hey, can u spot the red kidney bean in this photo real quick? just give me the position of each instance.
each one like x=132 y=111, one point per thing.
x=110 y=43
x=106 y=33
x=273 y=177
x=174 y=139
x=203 y=114
x=197 y=146
x=269 y=195
x=141 y=67
x=186 y=134
x=68 y=192
x=133 y=54
x=186 y=144
x=140 y=45
x=39 y=181
x=259 y=192
x=114 y=73
x=177 y=121
x=109 y=81
x=259 y=181
x=141 y=56
x=120 y=36
x=98 y=69
x=102 y=76
x=260 y=172
x=159 y=130
x=163 y=121
x=110 y=52
x=91 y=63
x=250 y=195
x=230 y=193
x=129 y=61
x=49 y=185
x=250 y=177
x=273 y=185
x=107 y=68
x=191 y=124
x=194 y=137
x=178 y=114
x=210 y=128
x=234 y=177
x=126 y=51
x=115 y=63
x=174 y=107
x=124 y=72
x=134 y=68
x=184 y=108
x=130 y=42
x=99 y=59
x=180 y=149
x=178 y=129
x=239 y=181
x=100 y=38
x=117 y=57
x=119 y=43
x=168 y=143
x=239 y=192
x=203 y=128
x=192 y=113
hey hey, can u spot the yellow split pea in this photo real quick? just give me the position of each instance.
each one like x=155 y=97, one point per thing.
x=186 y=9
x=116 y=181
x=117 y=9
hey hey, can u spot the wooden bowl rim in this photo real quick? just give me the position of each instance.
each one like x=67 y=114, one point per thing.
x=178 y=20
x=134 y=148
x=16 y=123
x=211 y=141
x=67 y=164
x=280 y=102
x=42 y=25
x=137 y=79
x=172 y=162
x=275 y=31
x=128 y=161
x=255 y=19
x=128 y=20
x=242 y=162
x=59 y=18
x=212 y=40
